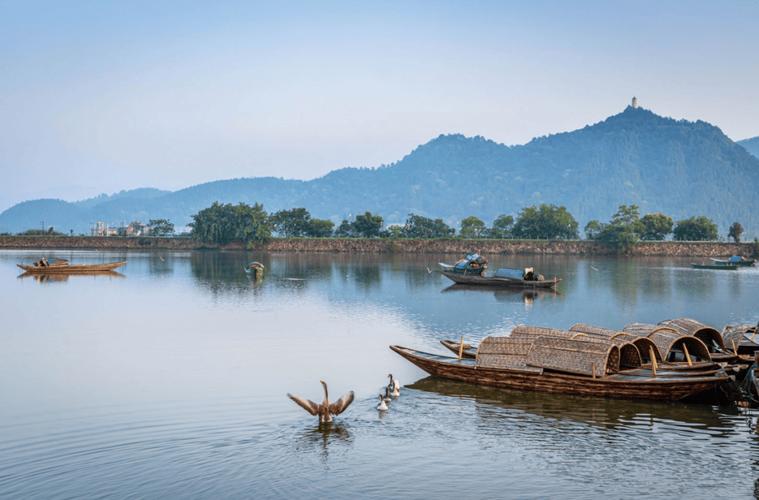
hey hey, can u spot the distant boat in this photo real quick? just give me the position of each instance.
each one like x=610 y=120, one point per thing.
x=62 y=266
x=471 y=270
x=255 y=269
x=735 y=260
x=721 y=267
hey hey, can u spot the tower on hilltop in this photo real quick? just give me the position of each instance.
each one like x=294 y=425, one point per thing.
x=634 y=102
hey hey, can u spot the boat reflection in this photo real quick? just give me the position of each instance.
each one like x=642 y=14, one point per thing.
x=504 y=294
x=61 y=277
x=599 y=412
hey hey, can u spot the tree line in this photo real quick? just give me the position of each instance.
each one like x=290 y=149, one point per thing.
x=225 y=222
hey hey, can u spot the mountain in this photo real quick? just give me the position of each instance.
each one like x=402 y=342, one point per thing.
x=751 y=145
x=678 y=167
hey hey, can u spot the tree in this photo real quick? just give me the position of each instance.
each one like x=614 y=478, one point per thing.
x=160 y=227
x=472 y=227
x=502 y=227
x=593 y=229
x=656 y=226
x=223 y=223
x=320 y=228
x=622 y=232
x=367 y=225
x=418 y=226
x=695 y=229
x=545 y=222
x=344 y=230
x=620 y=237
x=628 y=216
x=291 y=223
x=735 y=232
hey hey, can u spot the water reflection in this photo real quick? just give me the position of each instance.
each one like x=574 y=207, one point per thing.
x=322 y=437
x=62 y=277
x=506 y=295
x=607 y=413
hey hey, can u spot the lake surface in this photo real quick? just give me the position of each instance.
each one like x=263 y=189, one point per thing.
x=171 y=381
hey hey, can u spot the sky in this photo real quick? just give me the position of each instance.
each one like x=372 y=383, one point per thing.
x=103 y=96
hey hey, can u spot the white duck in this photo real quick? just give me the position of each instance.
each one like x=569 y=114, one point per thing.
x=382 y=406
x=394 y=386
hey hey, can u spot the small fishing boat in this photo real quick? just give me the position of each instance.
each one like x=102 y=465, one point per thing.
x=471 y=270
x=574 y=367
x=734 y=260
x=62 y=266
x=720 y=267
x=255 y=269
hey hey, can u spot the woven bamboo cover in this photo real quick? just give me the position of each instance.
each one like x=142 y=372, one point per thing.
x=707 y=334
x=574 y=356
x=504 y=352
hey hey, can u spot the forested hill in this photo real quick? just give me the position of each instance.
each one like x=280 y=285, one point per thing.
x=751 y=145
x=678 y=167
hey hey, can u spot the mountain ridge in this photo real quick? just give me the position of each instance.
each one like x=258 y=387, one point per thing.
x=679 y=167
x=751 y=145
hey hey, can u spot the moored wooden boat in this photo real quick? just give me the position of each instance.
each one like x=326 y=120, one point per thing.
x=621 y=384
x=495 y=281
x=66 y=268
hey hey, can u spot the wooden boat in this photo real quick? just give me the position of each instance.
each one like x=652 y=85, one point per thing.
x=494 y=281
x=255 y=269
x=720 y=267
x=735 y=260
x=621 y=384
x=66 y=268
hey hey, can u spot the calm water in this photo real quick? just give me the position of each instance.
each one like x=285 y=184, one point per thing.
x=171 y=381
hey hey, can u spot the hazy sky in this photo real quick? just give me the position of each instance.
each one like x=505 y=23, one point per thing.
x=101 y=96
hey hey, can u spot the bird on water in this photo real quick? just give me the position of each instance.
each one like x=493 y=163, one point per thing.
x=394 y=386
x=325 y=409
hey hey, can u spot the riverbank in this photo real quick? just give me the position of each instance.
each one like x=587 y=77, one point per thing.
x=356 y=245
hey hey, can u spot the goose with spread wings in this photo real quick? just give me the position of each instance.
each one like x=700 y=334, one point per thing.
x=325 y=410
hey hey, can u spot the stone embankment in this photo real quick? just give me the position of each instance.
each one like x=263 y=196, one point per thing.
x=340 y=245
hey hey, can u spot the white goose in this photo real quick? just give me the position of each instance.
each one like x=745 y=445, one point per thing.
x=382 y=406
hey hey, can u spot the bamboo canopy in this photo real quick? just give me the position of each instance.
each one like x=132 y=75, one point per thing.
x=669 y=342
x=504 y=352
x=574 y=356
x=705 y=333
x=532 y=332
x=744 y=337
x=620 y=338
x=631 y=354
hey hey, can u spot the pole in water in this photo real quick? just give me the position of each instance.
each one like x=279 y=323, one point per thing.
x=461 y=348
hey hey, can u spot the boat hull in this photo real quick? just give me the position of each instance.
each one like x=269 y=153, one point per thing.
x=719 y=267
x=78 y=269
x=469 y=279
x=618 y=386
